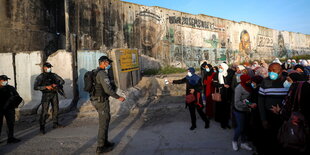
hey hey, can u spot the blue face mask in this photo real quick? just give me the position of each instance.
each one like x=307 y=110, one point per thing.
x=214 y=71
x=273 y=75
x=207 y=69
x=108 y=67
x=253 y=85
x=293 y=63
x=286 y=84
x=220 y=70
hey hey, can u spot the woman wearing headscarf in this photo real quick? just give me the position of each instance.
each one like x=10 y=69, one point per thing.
x=241 y=110
x=207 y=76
x=194 y=86
x=222 y=83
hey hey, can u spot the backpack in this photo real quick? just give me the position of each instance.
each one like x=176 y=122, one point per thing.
x=293 y=133
x=90 y=81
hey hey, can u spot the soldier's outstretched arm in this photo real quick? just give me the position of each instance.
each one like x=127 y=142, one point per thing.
x=105 y=83
x=38 y=83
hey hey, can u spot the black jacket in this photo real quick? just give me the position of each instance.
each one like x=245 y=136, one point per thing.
x=7 y=93
x=47 y=79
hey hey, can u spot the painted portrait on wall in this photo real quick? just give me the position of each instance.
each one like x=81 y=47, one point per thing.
x=244 y=47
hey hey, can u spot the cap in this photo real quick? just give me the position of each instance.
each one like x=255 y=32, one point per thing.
x=104 y=58
x=4 y=77
x=47 y=64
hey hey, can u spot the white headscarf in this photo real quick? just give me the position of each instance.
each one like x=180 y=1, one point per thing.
x=276 y=60
x=223 y=74
x=304 y=63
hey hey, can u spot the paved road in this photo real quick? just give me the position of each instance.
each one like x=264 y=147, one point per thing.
x=158 y=130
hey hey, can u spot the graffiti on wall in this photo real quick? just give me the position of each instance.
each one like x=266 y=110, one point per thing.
x=193 y=22
x=264 y=41
x=244 y=47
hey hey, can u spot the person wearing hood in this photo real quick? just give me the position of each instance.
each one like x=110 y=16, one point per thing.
x=208 y=75
x=241 y=109
x=287 y=65
x=302 y=70
x=194 y=87
x=222 y=83
x=276 y=60
x=294 y=63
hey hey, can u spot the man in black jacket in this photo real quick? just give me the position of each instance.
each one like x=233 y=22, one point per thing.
x=271 y=93
x=8 y=95
x=48 y=83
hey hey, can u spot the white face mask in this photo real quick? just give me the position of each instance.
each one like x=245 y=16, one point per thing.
x=189 y=74
x=4 y=83
x=48 y=70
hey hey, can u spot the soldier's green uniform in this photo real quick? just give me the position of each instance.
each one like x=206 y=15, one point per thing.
x=48 y=96
x=100 y=99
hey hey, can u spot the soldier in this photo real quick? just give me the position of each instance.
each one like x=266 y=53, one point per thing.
x=100 y=99
x=48 y=83
x=8 y=103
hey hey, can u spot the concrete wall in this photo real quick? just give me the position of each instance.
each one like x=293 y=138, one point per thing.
x=28 y=67
x=7 y=68
x=86 y=61
x=177 y=38
x=62 y=65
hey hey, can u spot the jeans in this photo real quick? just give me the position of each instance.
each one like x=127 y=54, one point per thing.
x=240 y=126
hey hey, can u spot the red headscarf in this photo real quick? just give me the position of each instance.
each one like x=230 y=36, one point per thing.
x=244 y=78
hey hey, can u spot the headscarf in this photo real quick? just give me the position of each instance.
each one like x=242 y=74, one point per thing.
x=304 y=63
x=276 y=60
x=257 y=79
x=295 y=76
x=244 y=78
x=261 y=71
x=241 y=67
x=223 y=74
x=194 y=79
x=299 y=66
x=211 y=70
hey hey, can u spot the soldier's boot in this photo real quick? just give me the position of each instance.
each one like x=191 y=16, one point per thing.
x=42 y=129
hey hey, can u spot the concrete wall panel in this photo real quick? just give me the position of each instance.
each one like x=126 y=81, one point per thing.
x=7 y=68
x=86 y=61
x=28 y=67
x=62 y=65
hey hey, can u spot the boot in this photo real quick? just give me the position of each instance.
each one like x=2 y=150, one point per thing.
x=12 y=140
x=42 y=129
x=193 y=127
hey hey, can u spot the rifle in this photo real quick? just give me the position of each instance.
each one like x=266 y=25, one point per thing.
x=60 y=90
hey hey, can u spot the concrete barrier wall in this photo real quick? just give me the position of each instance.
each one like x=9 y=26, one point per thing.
x=28 y=67
x=62 y=65
x=6 y=68
x=86 y=61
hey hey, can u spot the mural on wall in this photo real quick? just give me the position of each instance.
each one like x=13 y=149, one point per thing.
x=148 y=32
x=282 y=49
x=244 y=47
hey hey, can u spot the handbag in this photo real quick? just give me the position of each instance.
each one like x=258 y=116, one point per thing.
x=216 y=96
x=190 y=98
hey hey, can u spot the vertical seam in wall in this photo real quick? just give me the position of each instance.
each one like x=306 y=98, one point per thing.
x=14 y=69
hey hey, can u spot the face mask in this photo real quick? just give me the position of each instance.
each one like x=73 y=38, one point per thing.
x=293 y=63
x=207 y=69
x=48 y=70
x=189 y=74
x=253 y=85
x=4 y=83
x=214 y=71
x=220 y=70
x=108 y=67
x=248 y=84
x=286 y=84
x=273 y=75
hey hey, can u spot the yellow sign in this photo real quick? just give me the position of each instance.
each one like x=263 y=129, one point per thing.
x=129 y=60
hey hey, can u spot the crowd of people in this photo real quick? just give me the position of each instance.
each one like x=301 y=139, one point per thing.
x=264 y=103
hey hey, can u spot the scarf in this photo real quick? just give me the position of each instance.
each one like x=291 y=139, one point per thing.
x=194 y=79
x=223 y=74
